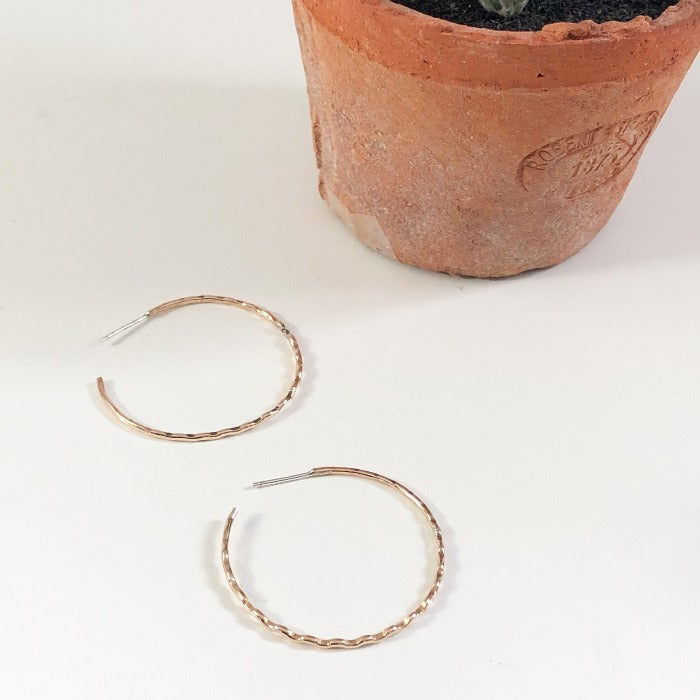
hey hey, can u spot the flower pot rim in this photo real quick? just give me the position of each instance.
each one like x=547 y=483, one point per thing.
x=554 y=33
x=559 y=55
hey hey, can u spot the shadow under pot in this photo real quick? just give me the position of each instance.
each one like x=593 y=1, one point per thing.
x=481 y=152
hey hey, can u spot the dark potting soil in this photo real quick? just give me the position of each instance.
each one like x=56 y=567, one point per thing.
x=537 y=13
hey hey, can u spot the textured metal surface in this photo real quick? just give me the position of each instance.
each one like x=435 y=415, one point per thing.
x=223 y=432
x=339 y=642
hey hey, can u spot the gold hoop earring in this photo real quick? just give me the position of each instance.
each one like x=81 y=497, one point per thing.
x=223 y=432
x=337 y=642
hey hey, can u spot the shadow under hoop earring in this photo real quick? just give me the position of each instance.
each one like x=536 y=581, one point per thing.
x=223 y=432
x=337 y=642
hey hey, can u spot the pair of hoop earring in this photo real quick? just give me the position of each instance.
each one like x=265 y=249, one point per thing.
x=263 y=618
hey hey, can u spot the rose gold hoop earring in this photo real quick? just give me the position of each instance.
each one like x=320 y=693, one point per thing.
x=336 y=642
x=223 y=432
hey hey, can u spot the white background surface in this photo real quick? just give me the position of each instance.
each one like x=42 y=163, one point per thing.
x=153 y=150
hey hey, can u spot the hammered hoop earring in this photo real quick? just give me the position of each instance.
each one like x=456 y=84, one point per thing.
x=337 y=642
x=223 y=432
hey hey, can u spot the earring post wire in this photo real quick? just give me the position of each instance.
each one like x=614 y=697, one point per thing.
x=283 y=479
x=126 y=327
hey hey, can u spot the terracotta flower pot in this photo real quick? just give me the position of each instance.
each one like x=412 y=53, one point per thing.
x=480 y=152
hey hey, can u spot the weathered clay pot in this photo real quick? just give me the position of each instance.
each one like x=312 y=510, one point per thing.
x=479 y=152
